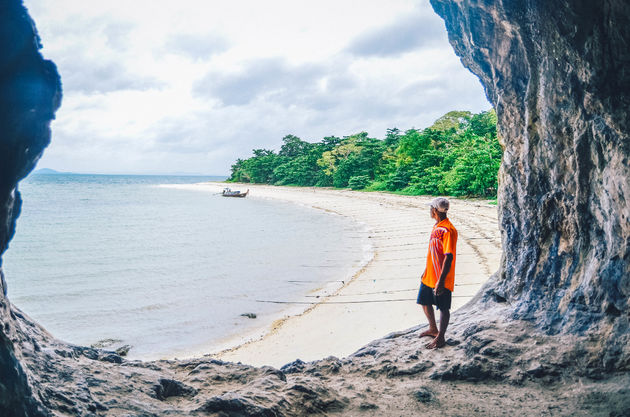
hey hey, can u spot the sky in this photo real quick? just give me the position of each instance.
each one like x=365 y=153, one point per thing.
x=189 y=86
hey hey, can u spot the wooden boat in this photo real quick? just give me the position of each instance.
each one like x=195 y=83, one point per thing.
x=229 y=193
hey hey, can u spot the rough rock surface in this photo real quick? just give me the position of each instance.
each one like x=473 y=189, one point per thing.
x=30 y=93
x=547 y=336
x=558 y=75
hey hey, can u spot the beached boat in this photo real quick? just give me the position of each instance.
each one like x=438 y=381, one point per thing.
x=229 y=193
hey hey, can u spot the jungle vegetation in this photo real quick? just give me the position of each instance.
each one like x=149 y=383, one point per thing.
x=459 y=155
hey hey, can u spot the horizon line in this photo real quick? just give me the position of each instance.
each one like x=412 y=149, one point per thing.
x=174 y=174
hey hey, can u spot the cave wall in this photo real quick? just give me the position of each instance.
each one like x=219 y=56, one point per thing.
x=558 y=74
x=30 y=93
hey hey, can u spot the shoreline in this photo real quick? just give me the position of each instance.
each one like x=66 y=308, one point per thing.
x=380 y=297
x=325 y=289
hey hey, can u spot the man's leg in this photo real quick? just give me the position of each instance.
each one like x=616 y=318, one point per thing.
x=425 y=298
x=444 y=304
x=432 y=330
x=440 y=340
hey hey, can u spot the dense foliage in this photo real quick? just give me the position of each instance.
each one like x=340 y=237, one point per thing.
x=458 y=155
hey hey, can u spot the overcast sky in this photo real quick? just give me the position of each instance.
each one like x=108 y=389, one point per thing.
x=163 y=86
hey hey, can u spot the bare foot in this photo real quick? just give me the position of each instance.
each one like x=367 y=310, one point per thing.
x=436 y=343
x=429 y=332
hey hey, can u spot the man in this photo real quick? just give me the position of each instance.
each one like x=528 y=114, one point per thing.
x=438 y=279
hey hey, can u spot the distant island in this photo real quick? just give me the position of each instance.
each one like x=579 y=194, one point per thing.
x=49 y=171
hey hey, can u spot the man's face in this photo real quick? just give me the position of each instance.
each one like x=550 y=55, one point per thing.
x=432 y=213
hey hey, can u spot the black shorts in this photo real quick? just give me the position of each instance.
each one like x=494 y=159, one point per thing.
x=426 y=297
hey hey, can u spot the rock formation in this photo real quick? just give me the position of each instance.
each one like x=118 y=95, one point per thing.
x=558 y=75
x=30 y=93
x=557 y=311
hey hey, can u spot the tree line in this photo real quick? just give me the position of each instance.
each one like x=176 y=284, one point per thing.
x=458 y=155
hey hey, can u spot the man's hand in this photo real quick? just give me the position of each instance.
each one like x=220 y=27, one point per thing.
x=446 y=267
x=439 y=288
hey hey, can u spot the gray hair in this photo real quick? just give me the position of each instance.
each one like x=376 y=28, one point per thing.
x=441 y=204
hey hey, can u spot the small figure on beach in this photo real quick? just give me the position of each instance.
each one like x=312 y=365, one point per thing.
x=438 y=279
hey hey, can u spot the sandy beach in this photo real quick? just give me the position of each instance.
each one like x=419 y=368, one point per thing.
x=380 y=298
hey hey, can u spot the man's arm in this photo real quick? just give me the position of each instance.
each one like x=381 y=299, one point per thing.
x=446 y=267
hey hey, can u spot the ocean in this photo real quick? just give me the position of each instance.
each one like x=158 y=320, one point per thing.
x=128 y=261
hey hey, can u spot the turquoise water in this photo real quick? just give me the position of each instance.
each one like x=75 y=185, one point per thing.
x=165 y=270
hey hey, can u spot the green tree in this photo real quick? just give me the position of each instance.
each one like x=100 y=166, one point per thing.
x=459 y=154
x=302 y=170
x=330 y=160
x=259 y=168
x=330 y=142
x=398 y=179
x=359 y=182
x=452 y=121
x=355 y=164
x=475 y=167
x=292 y=147
x=412 y=145
x=392 y=137
x=484 y=124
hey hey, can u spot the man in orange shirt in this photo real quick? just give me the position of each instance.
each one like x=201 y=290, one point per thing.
x=438 y=279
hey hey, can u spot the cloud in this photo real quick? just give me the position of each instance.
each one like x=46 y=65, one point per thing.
x=195 y=46
x=93 y=55
x=407 y=34
x=117 y=34
x=98 y=76
x=257 y=78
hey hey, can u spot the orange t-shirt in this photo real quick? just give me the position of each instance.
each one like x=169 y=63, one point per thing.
x=443 y=240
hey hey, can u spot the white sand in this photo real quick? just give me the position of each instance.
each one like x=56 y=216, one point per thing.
x=399 y=229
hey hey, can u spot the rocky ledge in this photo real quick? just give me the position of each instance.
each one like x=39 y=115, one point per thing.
x=549 y=333
x=489 y=365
